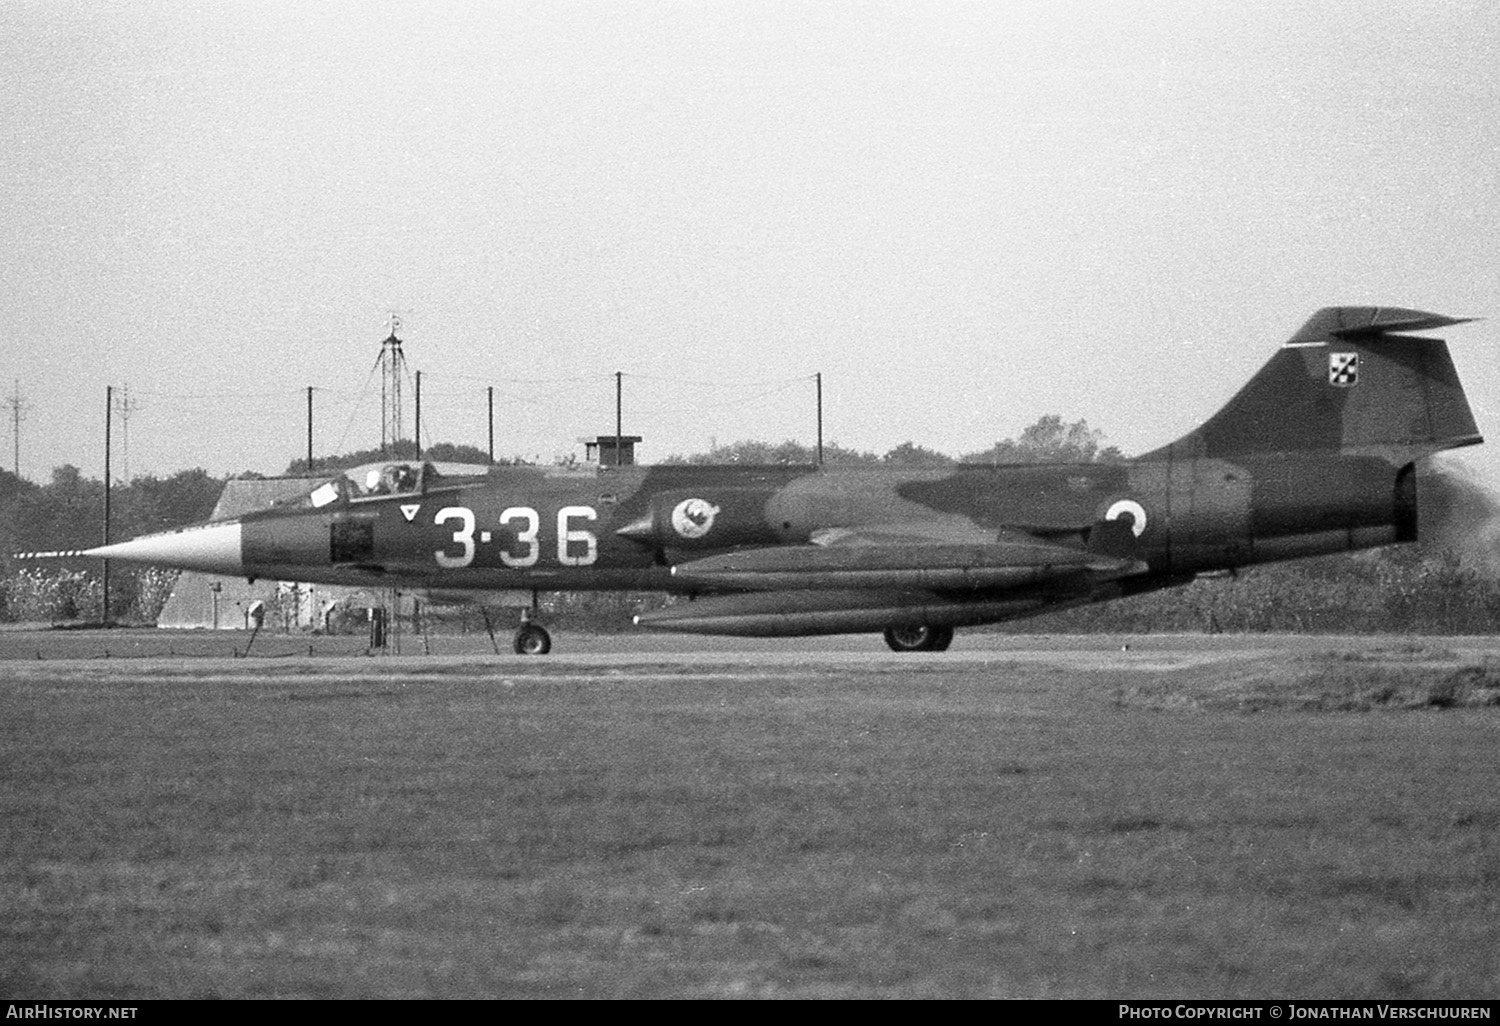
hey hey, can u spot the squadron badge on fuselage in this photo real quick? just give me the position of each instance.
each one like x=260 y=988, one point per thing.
x=692 y=518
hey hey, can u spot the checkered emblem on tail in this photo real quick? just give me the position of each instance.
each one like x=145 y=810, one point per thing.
x=1343 y=369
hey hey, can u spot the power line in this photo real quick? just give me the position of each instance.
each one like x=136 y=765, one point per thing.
x=720 y=404
x=701 y=383
x=562 y=380
x=236 y=394
x=359 y=401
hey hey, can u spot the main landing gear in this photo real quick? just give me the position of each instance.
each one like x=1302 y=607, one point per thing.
x=531 y=638
x=919 y=639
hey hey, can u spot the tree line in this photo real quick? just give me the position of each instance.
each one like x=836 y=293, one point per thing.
x=68 y=513
x=1049 y=440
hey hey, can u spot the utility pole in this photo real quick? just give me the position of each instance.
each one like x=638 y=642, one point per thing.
x=109 y=405
x=619 y=416
x=819 y=377
x=419 y=417
x=491 y=391
x=309 y=430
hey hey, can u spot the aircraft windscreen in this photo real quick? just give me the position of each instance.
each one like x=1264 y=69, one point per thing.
x=328 y=492
x=325 y=493
x=383 y=479
x=371 y=481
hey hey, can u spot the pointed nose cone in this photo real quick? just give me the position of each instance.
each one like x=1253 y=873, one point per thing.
x=215 y=548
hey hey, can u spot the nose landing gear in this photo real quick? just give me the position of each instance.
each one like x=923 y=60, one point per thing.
x=532 y=638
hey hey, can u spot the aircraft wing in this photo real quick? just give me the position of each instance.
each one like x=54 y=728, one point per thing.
x=928 y=557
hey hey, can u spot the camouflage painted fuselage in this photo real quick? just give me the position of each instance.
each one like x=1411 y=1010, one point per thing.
x=1316 y=454
x=1200 y=515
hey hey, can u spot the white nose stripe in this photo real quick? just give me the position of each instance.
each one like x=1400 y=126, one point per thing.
x=213 y=547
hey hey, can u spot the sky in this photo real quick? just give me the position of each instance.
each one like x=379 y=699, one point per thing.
x=964 y=216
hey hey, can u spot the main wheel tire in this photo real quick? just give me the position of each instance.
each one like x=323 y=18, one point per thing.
x=918 y=639
x=532 y=640
x=914 y=639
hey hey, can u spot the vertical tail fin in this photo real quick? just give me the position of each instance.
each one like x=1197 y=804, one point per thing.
x=1345 y=383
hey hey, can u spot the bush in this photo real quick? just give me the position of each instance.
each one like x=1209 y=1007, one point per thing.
x=52 y=595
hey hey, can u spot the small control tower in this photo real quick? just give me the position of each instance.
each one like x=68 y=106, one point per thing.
x=610 y=450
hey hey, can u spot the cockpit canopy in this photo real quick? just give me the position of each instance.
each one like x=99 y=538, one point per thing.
x=372 y=481
x=388 y=479
x=384 y=481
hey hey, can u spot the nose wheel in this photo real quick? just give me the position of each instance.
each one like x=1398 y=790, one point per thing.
x=919 y=639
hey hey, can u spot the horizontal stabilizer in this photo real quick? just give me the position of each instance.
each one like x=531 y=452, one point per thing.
x=1350 y=322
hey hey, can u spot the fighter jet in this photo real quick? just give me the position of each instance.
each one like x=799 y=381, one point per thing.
x=1315 y=455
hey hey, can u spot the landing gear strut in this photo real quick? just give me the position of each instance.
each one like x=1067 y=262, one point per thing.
x=919 y=639
x=532 y=638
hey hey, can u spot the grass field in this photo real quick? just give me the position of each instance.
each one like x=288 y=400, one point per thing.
x=980 y=824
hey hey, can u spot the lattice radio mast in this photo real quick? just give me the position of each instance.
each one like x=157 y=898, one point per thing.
x=392 y=371
x=18 y=410
x=125 y=406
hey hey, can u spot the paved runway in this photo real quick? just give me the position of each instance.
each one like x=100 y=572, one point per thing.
x=1080 y=651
